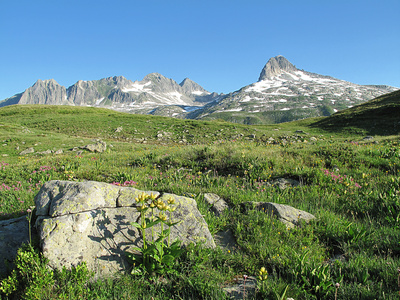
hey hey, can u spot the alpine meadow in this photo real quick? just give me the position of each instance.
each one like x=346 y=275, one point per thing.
x=344 y=169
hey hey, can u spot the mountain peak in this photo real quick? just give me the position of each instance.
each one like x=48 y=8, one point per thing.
x=276 y=66
x=45 y=82
x=189 y=86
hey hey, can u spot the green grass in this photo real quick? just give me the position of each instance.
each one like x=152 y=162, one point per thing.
x=352 y=187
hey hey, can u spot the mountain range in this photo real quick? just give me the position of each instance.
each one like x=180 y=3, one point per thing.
x=282 y=93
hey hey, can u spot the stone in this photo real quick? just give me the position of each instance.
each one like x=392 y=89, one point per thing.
x=13 y=233
x=226 y=240
x=284 y=183
x=99 y=146
x=368 y=138
x=59 y=151
x=45 y=152
x=27 y=151
x=287 y=214
x=90 y=221
x=119 y=129
x=242 y=288
x=218 y=205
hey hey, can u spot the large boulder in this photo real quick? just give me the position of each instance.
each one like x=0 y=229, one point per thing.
x=90 y=221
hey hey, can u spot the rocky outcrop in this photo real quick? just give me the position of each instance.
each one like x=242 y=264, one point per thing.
x=90 y=221
x=276 y=66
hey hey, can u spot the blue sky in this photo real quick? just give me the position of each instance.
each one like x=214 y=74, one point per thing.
x=221 y=45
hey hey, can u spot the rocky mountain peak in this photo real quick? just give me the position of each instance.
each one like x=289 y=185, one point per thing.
x=46 y=82
x=189 y=86
x=276 y=66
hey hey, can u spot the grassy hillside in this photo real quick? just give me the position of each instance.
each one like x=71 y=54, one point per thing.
x=350 y=184
x=380 y=116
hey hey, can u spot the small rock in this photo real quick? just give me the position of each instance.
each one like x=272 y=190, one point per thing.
x=99 y=146
x=218 y=204
x=59 y=151
x=284 y=183
x=285 y=213
x=27 y=151
x=45 y=152
x=119 y=129
x=242 y=289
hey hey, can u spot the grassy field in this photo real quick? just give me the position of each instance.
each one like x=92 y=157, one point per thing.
x=351 y=184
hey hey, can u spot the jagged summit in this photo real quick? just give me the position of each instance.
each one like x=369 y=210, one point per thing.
x=191 y=87
x=276 y=66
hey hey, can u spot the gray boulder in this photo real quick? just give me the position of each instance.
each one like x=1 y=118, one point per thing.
x=13 y=233
x=27 y=151
x=242 y=288
x=90 y=221
x=218 y=205
x=99 y=146
x=284 y=183
x=287 y=214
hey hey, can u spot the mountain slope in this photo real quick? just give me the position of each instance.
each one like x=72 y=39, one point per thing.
x=285 y=93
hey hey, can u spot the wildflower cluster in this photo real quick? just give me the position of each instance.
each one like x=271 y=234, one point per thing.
x=43 y=169
x=3 y=165
x=341 y=179
x=125 y=183
x=155 y=256
x=262 y=274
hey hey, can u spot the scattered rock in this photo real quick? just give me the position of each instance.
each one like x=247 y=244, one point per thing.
x=27 y=151
x=99 y=146
x=119 y=129
x=90 y=221
x=45 y=152
x=300 y=131
x=59 y=151
x=226 y=240
x=242 y=289
x=285 y=213
x=368 y=138
x=218 y=204
x=284 y=183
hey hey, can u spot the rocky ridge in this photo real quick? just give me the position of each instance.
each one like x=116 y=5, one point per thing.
x=282 y=93
x=118 y=93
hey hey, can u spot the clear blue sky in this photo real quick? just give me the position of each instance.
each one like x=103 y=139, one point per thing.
x=221 y=45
